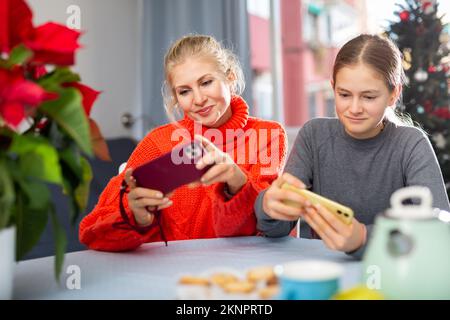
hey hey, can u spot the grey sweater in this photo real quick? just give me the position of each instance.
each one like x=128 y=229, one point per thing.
x=361 y=174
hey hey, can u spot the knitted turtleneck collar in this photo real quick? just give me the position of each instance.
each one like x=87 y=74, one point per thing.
x=238 y=120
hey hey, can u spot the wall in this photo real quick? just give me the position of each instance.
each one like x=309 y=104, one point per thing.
x=109 y=59
x=167 y=20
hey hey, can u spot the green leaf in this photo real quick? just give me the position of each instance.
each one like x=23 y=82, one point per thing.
x=72 y=178
x=54 y=80
x=7 y=195
x=82 y=191
x=70 y=184
x=68 y=112
x=72 y=159
x=37 y=158
x=19 y=55
x=30 y=224
x=77 y=178
x=37 y=194
x=60 y=239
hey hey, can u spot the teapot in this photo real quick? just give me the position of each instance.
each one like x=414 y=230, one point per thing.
x=408 y=255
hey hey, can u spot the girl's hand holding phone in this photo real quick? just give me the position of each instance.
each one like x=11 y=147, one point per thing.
x=336 y=234
x=275 y=197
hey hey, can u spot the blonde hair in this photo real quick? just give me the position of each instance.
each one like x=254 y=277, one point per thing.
x=200 y=46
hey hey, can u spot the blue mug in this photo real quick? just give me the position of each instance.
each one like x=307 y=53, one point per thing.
x=308 y=280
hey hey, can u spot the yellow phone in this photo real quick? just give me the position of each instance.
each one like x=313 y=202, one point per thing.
x=345 y=214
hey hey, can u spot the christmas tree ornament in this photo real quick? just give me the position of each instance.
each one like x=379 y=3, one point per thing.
x=444 y=38
x=428 y=7
x=421 y=75
x=406 y=65
x=446 y=29
x=404 y=15
x=439 y=140
x=407 y=58
x=407 y=54
x=420 y=109
x=431 y=69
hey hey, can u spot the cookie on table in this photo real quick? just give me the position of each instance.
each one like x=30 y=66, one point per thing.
x=262 y=274
x=194 y=280
x=243 y=286
x=223 y=278
x=269 y=292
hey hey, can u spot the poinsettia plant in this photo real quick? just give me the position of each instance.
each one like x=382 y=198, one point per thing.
x=45 y=129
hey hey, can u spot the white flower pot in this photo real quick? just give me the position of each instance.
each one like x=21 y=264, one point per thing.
x=7 y=261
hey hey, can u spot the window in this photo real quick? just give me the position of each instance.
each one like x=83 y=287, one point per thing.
x=330 y=109
x=312 y=105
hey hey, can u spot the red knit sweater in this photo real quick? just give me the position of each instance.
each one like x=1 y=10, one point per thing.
x=200 y=212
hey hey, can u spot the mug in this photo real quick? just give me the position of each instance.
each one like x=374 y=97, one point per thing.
x=308 y=279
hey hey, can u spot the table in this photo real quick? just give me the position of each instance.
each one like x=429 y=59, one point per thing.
x=152 y=271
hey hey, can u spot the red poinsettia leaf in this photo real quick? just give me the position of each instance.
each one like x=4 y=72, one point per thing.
x=54 y=44
x=99 y=145
x=15 y=23
x=4 y=29
x=443 y=113
x=36 y=71
x=57 y=58
x=55 y=37
x=4 y=78
x=16 y=93
x=89 y=95
x=27 y=93
x=12 y=113
x=20 y=22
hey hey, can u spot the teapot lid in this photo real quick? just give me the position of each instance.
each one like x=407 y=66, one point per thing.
x=421 y=211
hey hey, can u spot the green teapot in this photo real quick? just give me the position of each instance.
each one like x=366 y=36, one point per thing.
x=408 y=255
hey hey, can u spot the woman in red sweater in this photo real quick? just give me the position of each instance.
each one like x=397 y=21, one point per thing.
x=203 y=80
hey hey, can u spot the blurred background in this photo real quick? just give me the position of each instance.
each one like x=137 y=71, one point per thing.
x=287 y=49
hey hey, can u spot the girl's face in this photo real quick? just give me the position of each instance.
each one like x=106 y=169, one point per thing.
x=202 y=92
x=361 y=100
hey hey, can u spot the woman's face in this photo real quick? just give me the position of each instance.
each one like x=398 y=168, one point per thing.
x=361 y=100
x=202 y=92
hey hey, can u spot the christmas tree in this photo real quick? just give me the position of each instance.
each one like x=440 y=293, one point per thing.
x=423 y=39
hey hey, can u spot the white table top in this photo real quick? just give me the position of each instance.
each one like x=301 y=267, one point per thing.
x=152 y=271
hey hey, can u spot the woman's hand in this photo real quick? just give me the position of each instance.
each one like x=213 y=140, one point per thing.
x=224 y=169
x=273 y=199
x=336 y=234
x=143 y=201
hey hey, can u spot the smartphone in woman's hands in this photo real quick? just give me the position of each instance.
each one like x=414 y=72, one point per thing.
x=173 y=169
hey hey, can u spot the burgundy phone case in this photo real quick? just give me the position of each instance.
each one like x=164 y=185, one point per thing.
x=171 y=170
